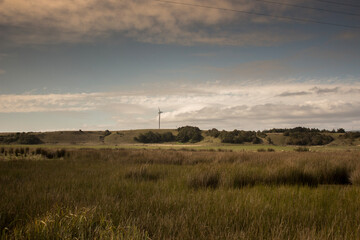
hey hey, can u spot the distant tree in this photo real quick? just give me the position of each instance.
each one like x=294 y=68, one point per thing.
x=341 y=130
x=167 y=137
x=189 y=134
x=151 y=137
x=213 y=133
x=237 y=136
x=20 y=138
x=261 y=134
x=29 y=139
x=256 y=140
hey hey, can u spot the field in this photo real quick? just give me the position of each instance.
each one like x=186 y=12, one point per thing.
x=180 y=193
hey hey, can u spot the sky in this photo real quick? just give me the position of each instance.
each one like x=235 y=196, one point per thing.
x=231 y=64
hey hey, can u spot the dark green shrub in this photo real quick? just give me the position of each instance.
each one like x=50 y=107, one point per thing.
x=256 y=140
x=60 y=153
x=189 y=134
x=301 y=149
x=167 y=137
x=213 y=133
x=341 y=130
x=308 y=138
x=28 y=139
x=261 y=134
x=151 y=137
x=237 y=136
x=38 y=151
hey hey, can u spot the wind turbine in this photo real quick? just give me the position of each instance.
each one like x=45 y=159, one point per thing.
x=160 y=112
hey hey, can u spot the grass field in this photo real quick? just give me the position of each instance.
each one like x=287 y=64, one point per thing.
x=181 y=194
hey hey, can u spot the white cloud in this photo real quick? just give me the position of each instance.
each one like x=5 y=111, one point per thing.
x=212 y=105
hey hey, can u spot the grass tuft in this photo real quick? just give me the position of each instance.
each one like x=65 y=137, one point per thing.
x=204 y=178
x=143 y=173
x=84 y=223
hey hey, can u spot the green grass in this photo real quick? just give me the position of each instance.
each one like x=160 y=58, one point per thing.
x=197 y=147
x=167 y=194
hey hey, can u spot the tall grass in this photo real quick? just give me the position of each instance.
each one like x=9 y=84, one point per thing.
x=158 y=194
x=83 y=223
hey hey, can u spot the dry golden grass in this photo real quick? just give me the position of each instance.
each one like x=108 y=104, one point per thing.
x=168 y=194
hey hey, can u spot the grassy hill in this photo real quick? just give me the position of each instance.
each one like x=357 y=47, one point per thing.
x=125 y=138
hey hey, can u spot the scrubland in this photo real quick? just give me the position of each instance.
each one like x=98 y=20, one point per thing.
x=179 y=194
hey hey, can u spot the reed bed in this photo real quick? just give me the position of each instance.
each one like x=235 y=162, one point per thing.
x=176 y=194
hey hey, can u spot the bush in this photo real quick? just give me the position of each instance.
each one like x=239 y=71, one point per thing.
x=189 y=134
x=341 y=130
x=213 y=133
x=308 y=138
x=29 y=139
x=151 y=137
x=256 y=140
x=20 y=138
x=167 y=137
x=301 y=149
x=261 y=134
x=237 y=136
x=352 y=135
x=60 y=153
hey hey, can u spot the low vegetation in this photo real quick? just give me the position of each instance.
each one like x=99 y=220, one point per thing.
x=151 y=137
x=20 y=138
x=178 y=194
x=307 y=138
x=189 y=134
x=10 y=153
x=236 y=136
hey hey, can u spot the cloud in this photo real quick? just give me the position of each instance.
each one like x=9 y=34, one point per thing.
x=290 y=94
x=2 y=71
x=326 y=90
x=212 y=105
x=206 y=54
x=348 y=36
x=42 y=21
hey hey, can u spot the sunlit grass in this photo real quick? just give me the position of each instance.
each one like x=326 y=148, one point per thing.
x=181 y=194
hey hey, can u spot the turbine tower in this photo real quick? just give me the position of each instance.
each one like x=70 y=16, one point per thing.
x=160 y=112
